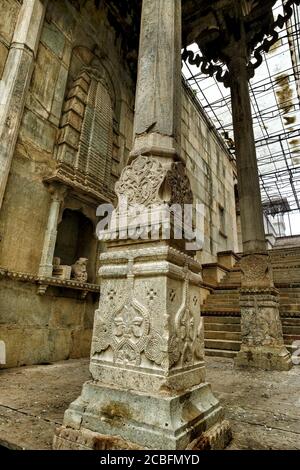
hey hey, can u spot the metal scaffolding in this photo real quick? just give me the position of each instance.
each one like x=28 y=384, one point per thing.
x=275 y=97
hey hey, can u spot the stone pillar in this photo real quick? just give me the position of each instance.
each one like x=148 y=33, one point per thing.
x=157 y=121
x=57 y=192
x=148 y=388
x=16 y=79
x=253 y=233
x=262 y=339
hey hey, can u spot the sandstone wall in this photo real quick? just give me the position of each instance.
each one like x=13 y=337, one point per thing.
x=57 y=325
x=212 y=177
x=9 y=10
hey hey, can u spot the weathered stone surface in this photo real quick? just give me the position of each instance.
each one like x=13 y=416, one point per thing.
x=9 y=10
x=53 y=39
x=3 y=57
x=46 y=72
x=51 y=328
x=261 y=328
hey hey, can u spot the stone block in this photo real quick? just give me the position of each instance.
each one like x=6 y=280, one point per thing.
x=53 y=38
x=74 y=104
x=3 y=57
x=72 y=119
x=45 y=76
x=39 y=132
x=59 y=94
x=78 y=92
x=69 y=136
x=8 y=17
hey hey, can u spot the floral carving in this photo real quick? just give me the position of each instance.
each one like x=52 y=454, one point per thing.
x=187 y=343
x=179 y=183
x=256 y=270
x=260 y=325
x=140 y=182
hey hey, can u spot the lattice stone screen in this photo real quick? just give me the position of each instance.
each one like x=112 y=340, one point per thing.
x=86 y=139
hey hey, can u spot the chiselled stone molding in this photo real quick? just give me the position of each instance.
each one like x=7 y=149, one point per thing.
x=43 y=282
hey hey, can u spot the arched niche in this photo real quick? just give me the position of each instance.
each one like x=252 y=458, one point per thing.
x=76 y=239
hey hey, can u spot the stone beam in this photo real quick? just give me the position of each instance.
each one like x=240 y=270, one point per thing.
x=15 y=81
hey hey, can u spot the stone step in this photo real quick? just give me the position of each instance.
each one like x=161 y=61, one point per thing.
x=222 y=344
x=217 y=319
x=214 y=327
x=289 y=339
x=220 y=309
x=220 y=353
x=230 y=354
x=290 y=329
x=295 y=321
x=223 y=335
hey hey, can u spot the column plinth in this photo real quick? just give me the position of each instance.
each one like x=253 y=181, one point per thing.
x=261 y=328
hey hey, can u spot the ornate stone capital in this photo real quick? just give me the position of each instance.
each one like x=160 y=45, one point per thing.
x=256 y=271
x=57 y=191
x=152 y=180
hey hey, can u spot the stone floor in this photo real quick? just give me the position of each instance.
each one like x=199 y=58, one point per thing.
x=263 y=407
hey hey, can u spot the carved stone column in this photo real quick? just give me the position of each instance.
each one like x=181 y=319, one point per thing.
x=262 y=339
x=252 y=224
x=15 y=81
x=148 y=387
x=58 y=193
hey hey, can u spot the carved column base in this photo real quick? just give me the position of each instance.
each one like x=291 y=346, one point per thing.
x=262 y=339
x=110 y=418
x=147 y=360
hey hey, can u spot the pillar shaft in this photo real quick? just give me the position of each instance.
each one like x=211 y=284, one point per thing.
x=252 y=223
x=16 y=79
x=157 y=122
x=46 y=265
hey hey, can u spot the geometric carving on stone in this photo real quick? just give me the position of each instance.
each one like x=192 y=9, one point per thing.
x=151 y=294
x=96 y=138
x=256 y=270
x=127 y=331
x=172 y=295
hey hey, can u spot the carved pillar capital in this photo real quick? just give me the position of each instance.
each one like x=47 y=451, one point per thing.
x=57 y=191
x=256 y=271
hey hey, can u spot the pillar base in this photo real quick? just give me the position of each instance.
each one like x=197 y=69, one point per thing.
x=266 y=358
x=106 y=418
x=262 y=339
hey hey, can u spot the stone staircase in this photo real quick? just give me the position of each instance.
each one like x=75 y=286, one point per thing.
x=221 y=310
